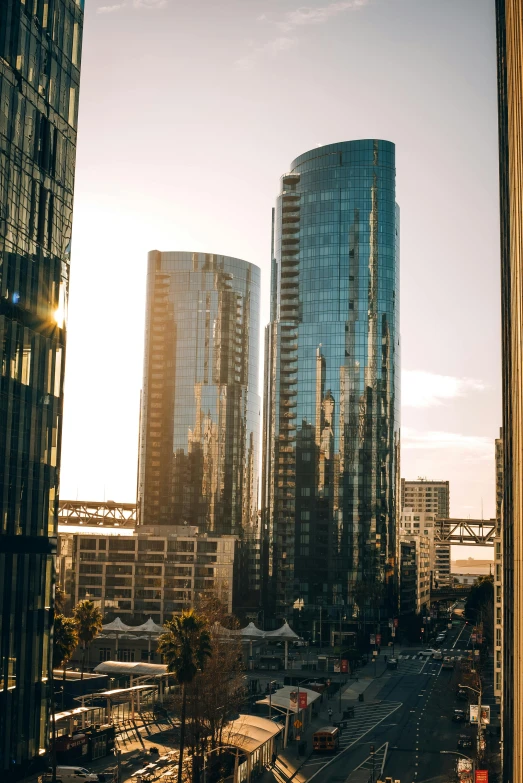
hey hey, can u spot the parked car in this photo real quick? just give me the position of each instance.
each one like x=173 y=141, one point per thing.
x=464 y=741
x=459 y=716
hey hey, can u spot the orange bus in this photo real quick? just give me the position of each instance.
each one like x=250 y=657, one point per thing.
x=326 y=739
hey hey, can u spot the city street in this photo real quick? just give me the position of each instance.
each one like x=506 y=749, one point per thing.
x=411 y=715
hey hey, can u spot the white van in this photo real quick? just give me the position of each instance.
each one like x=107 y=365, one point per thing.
x=70 y=775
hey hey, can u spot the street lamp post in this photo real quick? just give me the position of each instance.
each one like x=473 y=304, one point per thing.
x=479 y=693
x=461 y=756
x=272 y=682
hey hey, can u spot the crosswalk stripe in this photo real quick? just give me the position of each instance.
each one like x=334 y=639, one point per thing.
x=365 y=718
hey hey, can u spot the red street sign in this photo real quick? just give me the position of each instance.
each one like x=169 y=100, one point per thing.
x=378 y=638
x=344 y=666
x=302 y=701
x=482 y=776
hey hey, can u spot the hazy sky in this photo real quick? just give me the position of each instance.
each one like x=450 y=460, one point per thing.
x=191 y=110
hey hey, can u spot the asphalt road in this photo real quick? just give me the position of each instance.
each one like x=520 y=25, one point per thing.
x=414 y=733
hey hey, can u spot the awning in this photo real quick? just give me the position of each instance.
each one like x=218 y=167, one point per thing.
x=249 y=732
x=122 y=691
x=72 y=713
x=132 y=669
x=282 y=697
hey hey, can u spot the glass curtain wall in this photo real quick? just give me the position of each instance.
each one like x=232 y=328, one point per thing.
x=199 y=449
x=40 y=45
x=331 y=429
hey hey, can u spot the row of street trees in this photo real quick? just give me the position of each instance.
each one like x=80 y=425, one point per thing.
x=205 y=661
x=207 y=664
x=68 y=632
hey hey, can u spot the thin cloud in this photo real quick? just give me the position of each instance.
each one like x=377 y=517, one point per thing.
x=150 y=5
x=271 y=48
x=421 y=389
x=110 y=9
x=419 y=440
x=319 y=14
x=291 y=21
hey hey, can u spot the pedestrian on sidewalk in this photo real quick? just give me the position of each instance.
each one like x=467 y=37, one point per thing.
x=273 y=759
x=330 y=714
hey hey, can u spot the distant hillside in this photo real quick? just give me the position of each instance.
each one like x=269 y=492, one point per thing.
x=471 y=562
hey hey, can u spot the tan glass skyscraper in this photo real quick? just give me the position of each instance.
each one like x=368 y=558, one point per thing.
x=509 y=14
x=200 y=413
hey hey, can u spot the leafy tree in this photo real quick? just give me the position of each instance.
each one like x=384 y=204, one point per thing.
x=60 y=599
x=216 y=693
x=185 y=647
x=88 y=620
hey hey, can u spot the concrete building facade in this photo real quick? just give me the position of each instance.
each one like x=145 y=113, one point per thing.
x=146 y=572
x=509 y=23
x=429 y=497
x=416 y=551
x=423 y=523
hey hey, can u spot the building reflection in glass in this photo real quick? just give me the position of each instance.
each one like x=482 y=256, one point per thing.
x=200 y=413
x=331 y=426
x=40 y=52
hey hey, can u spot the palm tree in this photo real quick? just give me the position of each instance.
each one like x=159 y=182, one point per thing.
x=185 y=647
x=65 y=642
x=88 y=620
x=65 y=639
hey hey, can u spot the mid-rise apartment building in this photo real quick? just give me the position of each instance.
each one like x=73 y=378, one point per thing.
x=148 y=572
x=422 y=523
x=414 y=571
x=429 y=497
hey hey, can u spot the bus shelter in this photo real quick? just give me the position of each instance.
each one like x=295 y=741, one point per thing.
x=254 y=738
x=295 y=702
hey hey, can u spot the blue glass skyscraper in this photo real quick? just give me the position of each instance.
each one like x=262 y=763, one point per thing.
x=331 y=432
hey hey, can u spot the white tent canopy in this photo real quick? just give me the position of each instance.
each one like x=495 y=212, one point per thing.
x=251 y=632
x=149 y=627
x=284 y=634
x=117 y=625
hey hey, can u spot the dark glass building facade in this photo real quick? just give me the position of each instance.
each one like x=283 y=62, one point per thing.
x=331 y=426
x=509 y=16
x=40 y=43
x=200 y=415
